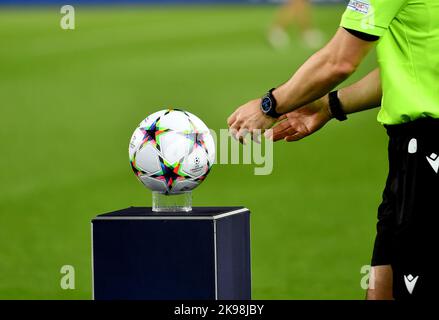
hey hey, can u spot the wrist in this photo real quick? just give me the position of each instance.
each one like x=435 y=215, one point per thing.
x=326 y=109
x=281 y=101
x=335 y=106
x=268 y=105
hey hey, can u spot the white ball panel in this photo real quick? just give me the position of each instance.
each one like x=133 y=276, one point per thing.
x=147 y=159
x=195 y=164
x=154 y=184
x=198 y=123
x=209 y=143
x=174 y=146
x=136 y=140
x=176 y=121
x=184 y=185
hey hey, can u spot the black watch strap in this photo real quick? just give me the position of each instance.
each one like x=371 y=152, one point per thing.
x=273 y=103
x=335 y=106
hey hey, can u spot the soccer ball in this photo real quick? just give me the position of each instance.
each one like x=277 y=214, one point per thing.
x=171 y=151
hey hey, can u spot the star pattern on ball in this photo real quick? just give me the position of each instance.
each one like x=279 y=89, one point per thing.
x=152 y=133
x=197 y=137
x=170 y=173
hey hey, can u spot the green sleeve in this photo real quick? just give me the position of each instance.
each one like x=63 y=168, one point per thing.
x=371 y=16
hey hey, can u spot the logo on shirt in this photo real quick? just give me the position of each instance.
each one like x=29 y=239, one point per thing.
x=359 y=6
x=433 y=160
x=410 y=282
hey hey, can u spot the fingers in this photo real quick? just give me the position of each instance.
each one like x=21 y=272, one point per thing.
x=233 y=132
x=269 y=134
x=235 y=129
x=280 y=131
x=249 y=118
x=234 y=126
x=295 y=137
x=241 y=135
x=241 y=124
x=256 y=136
x=274 y=130
x=238 y=134
x=231 y=119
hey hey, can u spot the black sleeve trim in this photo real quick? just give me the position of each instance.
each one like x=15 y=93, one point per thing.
x=362 y=35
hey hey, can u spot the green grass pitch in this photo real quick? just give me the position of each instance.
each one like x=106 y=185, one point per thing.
x=71 y=99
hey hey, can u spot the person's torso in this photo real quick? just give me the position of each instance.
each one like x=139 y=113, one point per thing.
x=408 y=55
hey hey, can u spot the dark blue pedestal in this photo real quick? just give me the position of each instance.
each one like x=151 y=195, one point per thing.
x=140 y=254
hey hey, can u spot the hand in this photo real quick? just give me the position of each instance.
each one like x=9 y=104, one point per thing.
x=249 y=118
x=301 y=122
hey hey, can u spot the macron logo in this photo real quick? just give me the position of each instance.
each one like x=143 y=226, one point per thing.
x=433 y=160
x=410 y=282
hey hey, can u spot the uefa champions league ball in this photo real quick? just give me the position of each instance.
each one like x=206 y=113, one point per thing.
x=171 y=151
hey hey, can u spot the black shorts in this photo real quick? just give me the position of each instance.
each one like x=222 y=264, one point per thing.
x=408 y=229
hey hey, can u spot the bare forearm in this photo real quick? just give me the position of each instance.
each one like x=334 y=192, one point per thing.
x=314 y=79
x=362 y=95
x=322 y=72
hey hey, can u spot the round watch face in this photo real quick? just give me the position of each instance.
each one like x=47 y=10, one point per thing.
x=266 y=104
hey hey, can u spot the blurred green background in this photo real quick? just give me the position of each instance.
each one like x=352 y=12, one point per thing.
x=71 y=99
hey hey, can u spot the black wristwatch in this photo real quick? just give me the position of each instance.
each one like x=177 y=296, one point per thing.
x=335 y=106
x=268 y=105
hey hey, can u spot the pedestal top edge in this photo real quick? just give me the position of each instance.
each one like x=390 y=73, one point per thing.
x=197 y=213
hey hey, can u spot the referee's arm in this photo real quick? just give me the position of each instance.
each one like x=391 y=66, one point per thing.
x=323 y=71
x=362 y=95
x=304 y=121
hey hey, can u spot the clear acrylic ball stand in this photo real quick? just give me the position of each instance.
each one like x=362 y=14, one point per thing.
x=180 y=202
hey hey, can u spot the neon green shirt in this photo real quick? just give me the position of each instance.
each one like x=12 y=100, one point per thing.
x=408 y=54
